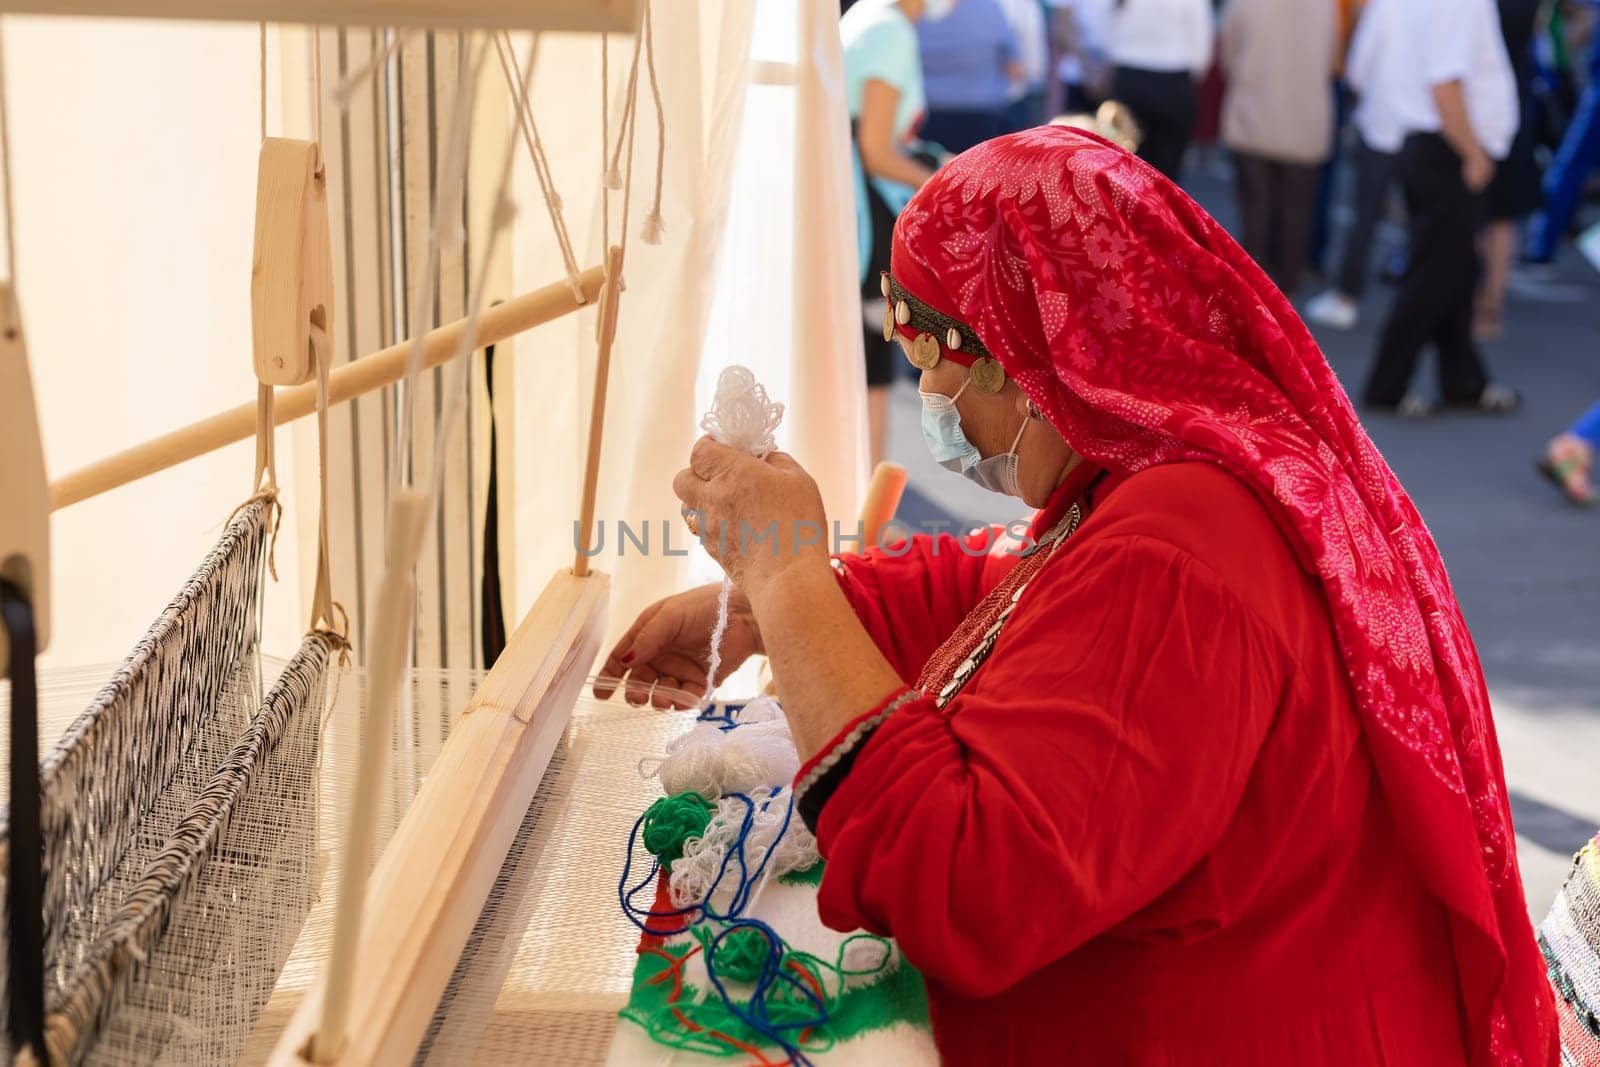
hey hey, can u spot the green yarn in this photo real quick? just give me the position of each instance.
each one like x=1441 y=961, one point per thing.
x=671 y=821
x=742 y=955
x=894 y=995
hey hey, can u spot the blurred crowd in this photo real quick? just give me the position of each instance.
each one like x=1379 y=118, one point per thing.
x=1476 y=122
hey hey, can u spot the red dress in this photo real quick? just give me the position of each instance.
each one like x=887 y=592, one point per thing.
x=1148 y=830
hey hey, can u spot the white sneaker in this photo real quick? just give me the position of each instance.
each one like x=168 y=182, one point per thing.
x=1334 y=310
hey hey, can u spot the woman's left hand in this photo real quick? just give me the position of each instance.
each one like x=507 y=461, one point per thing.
x=759 y=518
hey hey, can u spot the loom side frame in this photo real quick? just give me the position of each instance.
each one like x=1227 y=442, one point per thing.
x=431 y=882
x=612 y=16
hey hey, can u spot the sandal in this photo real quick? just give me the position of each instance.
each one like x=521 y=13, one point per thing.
x=1565 y=464
x=1495 y=399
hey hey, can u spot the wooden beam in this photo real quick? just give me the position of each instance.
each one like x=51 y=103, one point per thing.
x=24 y=500
x=612 y=16
x=432 y=880
x=351 y=380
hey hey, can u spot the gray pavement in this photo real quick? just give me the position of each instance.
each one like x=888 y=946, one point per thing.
x=1525 y=565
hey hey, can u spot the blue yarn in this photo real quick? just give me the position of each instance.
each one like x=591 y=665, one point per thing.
x=758 y=1018
x=727 y=718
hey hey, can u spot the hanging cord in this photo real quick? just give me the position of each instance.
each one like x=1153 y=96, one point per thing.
x=316 y=90
x=368 y=71
x=541 y=163
x=25 y=856
x=323 y=607
x=445 y=225
x=263 y=81
x=630 y=97
x=652 y=221
x=605 y=120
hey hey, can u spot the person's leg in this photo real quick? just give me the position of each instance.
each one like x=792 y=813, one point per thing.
x=1296 y=218
x=1564 y=181
x=1133 y=88
x=1183 y=114
x=1588 y=426
x=1427 y=166
x=1251 y=177
x=1320 y=229
x=1497 y=245
x=1569 y=457
x=1462 y=376
x=1375 y=176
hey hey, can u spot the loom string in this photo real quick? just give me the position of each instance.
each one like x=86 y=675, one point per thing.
x=510 y=69
x=652 y=221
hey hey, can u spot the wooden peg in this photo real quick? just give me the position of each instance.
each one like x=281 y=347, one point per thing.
x=24 y=490
x=291 y=275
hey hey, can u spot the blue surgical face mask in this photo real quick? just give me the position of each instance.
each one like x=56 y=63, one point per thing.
x=941 y=429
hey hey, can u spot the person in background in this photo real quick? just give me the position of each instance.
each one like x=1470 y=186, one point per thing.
x=1376 y=70
x=1321 y=216
x=883 y=91
x=1564 y=180
x=1277 y=121
x=1080 y=36
x=1160 y=48
x=1569 y=457
x=1460 y=110
x=970 y=60
x=1033 y=44
x=1514 y=192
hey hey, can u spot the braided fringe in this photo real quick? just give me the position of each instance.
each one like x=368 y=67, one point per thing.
x=270 y=775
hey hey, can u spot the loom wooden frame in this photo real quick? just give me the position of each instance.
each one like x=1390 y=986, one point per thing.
x=613 y=16
x=359 y=376
x=432 y=880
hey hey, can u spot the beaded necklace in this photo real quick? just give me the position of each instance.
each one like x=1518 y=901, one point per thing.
x=954 y=663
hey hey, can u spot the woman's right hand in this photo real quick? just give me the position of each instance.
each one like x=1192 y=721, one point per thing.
x=664 y=656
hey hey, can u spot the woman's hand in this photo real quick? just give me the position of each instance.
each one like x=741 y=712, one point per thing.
x=668 y=648
x=759 y=518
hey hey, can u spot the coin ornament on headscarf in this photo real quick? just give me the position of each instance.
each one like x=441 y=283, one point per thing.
x=925 y=352
x=987 y=376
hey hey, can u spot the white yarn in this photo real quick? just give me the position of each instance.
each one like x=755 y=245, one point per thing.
x=741 y=416
x=754 y=756
x=694 y=874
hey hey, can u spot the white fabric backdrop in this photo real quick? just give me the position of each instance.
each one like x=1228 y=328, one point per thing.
x=757 y=267
x=134 y=154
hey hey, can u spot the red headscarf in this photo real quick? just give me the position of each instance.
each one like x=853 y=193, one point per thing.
x=1148 y=336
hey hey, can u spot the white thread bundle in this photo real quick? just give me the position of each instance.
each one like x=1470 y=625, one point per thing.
x=695 y=874
x=756 y=755
x=741 y=417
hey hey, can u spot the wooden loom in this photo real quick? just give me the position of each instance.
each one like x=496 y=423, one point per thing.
x=461 y=825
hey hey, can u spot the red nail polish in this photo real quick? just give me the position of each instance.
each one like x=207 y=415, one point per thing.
x=627 y=657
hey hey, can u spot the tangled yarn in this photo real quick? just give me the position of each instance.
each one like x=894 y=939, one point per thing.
x=671 y=821
x=762 y=836
x=742 y=955
x=741 y=416
x=753 y=754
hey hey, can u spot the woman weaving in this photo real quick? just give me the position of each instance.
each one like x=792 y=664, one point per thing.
x=1207 y=774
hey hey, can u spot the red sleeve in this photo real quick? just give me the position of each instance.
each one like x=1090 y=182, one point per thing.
x=1094 y=759
x=911 y=596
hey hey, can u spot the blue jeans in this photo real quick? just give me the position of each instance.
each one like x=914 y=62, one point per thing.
x=1563 y=183
x=1588 y=426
